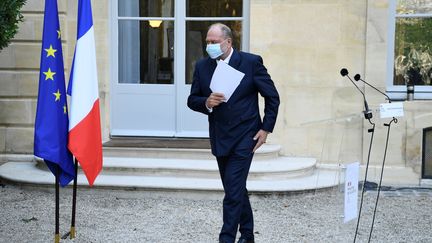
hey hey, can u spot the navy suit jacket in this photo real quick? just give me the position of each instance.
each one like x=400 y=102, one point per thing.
x=238 y=120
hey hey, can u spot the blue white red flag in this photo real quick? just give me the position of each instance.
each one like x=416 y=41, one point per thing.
x=85 y=139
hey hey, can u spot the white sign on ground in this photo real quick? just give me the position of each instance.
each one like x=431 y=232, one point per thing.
x=351 y=191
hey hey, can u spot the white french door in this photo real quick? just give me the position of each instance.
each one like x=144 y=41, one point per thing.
x=155 y=45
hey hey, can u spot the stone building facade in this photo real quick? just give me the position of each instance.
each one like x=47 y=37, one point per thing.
x=304 y=44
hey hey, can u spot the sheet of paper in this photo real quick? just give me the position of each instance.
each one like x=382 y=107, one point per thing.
x=394 y=109
x=225 y=79
x=351 y=191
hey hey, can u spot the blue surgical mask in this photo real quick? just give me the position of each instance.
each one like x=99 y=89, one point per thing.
x=214 y=50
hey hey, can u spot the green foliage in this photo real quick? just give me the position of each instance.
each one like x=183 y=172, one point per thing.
x=10 y=16
x=413 y=32
x=413 y=55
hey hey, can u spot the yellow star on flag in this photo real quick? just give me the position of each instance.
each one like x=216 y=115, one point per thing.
x=58 y=34
x=64 y=109
x=50 y=51
x=49 y=74
x=57 y=95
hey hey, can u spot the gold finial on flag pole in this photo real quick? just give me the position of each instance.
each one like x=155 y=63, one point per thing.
x=72 y=233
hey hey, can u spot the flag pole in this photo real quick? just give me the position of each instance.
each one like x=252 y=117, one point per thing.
x=72 y=229
x=57 y=206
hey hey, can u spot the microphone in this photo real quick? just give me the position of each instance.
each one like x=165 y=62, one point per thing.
x=357 y=77
x=344 y=72
x=367 y=112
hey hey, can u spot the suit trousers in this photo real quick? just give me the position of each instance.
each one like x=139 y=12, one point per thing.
x=237 y=210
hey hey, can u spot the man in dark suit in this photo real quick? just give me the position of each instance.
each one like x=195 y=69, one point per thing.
x=236 y=128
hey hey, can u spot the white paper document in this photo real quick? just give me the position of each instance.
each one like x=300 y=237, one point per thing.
x=394 y=109
x=351 y=191
x=225 y=79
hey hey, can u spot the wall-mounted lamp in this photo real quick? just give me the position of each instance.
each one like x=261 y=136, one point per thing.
x=155 y=23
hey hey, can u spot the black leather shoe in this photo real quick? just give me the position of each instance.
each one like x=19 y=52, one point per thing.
x=245 y=241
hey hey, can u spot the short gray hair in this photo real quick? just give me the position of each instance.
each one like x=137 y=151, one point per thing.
x=226 y=31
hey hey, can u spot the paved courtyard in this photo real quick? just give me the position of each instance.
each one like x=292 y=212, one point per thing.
x=104 y=215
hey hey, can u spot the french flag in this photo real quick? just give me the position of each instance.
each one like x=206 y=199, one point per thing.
x=85 y=140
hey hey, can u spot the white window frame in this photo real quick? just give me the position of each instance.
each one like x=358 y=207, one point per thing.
x=180 y=27
x=399 y=92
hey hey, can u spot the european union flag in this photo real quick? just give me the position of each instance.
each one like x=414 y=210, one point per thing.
x=52 y=122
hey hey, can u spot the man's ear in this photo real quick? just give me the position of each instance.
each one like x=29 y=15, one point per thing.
x=230 y=41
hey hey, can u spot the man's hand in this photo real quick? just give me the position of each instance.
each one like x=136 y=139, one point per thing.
x=215 y=99
x=262 y=137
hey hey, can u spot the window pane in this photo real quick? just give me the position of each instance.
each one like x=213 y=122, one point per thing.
x=414 y=6
x=146 y=54
x=206 y=8
x=146 y=8
x=413 y=56
x=196 y=32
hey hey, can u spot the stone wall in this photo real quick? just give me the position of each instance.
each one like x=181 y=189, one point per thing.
x=304 y=45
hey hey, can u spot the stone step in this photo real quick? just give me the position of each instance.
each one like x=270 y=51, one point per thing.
x=279 y=168
x=29 y=173
x=265 y=152
x=158 y=142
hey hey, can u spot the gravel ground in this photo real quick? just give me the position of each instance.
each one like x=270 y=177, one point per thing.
x=103 y=215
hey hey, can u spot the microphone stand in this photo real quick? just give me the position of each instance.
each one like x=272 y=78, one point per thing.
x=381 y=176
x=357 y=77
x=368 y=116
x=372 y=130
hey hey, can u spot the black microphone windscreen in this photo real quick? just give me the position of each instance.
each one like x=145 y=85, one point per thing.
x=357 y=77
x=343 y=72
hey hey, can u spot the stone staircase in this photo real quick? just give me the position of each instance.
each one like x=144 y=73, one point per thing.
x=131 y=165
